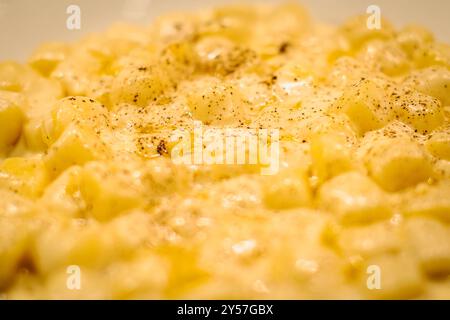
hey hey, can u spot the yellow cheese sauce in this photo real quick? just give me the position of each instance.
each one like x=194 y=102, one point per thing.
x=93 y=204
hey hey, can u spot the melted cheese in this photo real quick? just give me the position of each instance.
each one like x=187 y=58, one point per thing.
x=89 y=190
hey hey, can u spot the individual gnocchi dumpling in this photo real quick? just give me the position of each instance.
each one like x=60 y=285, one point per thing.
x=82 y=111
x=220 y=55
x=230 y=22
x=354 y=198
x=366 y=104
x=38 y=92
x=347 y=71
x=33 y=94
x=55 y=247
x=371 y=240
x=76 y=146
x=11 y=124
x=438 y=144
x=213 y=102
x=180 y=60
x=422 y=112
x=47 y=57
x=432 y=54
x=433 y=81
x=428 y=201
x=63 y=194
x=431 y=240
x=25 y=176
x=394 y=159
x=385 y=56
x=14 y=242
x=286 y=190
x=140 y=85
x=100 y=90
x=90 y=245
x=331 y=154
x=153 y=80
x=17 y=205
x=77 y=70
x=108 y=192
x=413 y=37
x=96 y=246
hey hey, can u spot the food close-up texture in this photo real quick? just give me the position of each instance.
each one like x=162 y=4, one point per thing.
x=87 y=179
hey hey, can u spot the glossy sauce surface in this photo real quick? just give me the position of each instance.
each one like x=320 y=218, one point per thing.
x=87 y=179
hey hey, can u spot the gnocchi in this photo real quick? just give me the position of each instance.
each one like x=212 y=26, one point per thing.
x=88 y=178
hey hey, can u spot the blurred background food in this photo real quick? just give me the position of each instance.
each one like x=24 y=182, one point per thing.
x=24 y=24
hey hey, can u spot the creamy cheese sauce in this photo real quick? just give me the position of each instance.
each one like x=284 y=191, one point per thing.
x=94 y=206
